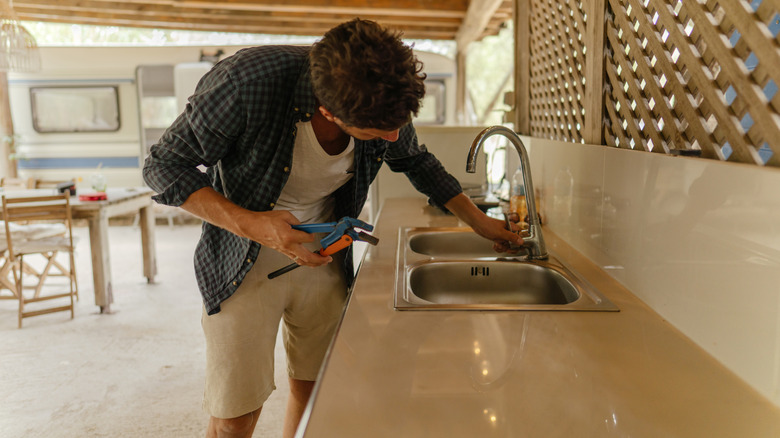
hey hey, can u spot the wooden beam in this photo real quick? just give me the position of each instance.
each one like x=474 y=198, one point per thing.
x=278 y=28
x=477 y=18
x=408 y=8
x=346 y=6
x=169 y=9
x=423 y=19
x=157 y=15
x=206 y=17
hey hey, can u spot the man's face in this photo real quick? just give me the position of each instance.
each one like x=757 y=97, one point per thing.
x=367 y=133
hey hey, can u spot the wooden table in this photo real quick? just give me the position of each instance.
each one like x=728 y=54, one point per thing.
x=120 y=201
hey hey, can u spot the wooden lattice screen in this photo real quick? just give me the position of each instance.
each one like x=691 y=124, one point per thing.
x=653 y=75
x=556 y=69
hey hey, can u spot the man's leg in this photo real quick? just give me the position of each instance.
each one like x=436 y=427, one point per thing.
x=240 y=344
x=300 y=391
x=240 y=427
x=317 y=297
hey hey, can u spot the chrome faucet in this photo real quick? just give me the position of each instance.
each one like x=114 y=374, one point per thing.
x=534 y=243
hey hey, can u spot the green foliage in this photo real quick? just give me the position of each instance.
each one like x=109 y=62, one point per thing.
x=11 y=141
x=488 y=64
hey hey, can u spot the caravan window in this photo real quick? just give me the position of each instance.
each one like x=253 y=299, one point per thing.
x=75 y=109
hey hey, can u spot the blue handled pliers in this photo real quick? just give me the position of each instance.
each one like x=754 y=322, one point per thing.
x=341 y=234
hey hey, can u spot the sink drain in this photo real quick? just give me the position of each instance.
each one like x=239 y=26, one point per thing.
x=477 y=271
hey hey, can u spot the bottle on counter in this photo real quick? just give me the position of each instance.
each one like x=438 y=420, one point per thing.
x=517 y=199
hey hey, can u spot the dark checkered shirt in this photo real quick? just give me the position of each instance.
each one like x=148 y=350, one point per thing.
x=240 y=125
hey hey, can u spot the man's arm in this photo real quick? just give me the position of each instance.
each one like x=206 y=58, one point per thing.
x=487 y=227
x=430 y=178
x=269 y=228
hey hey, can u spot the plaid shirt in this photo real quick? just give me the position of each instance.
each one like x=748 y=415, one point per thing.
x=240 y=125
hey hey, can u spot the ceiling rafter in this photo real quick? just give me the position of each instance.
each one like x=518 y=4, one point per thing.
x=423 y=19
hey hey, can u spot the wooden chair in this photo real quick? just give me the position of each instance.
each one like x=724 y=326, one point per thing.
x=45 y=183
x=17 y=183
x=38 y=183
x=22 y=232
x=50 y=210
x=27 y=232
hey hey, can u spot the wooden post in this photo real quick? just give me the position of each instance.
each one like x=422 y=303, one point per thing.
x=7 y=166
x=522 y=106
x=460 y=87
x=594 y=72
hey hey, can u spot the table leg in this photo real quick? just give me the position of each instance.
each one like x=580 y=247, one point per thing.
x=101 y=262
x=148 y=243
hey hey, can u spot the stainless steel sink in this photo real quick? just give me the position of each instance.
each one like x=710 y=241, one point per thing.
x=455 y=243
x=490 y=282
x=455 y=269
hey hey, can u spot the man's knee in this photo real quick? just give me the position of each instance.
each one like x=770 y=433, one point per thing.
x=233 y=426
x=301 y=389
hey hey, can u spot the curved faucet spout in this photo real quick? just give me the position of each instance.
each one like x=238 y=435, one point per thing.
x=534 y=242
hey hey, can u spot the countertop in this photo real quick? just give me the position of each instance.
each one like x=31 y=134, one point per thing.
x=407 y=374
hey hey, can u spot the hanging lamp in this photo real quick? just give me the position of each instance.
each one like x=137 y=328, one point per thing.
x=18 y=49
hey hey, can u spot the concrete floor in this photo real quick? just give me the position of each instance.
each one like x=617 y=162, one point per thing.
x=136 y=372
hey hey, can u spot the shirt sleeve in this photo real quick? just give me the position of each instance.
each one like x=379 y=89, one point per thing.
x=203 y=134
x=423 y=169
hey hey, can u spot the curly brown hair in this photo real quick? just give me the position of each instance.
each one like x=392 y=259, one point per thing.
x=366 y=76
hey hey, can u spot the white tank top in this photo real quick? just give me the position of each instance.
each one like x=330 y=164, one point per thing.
x=314 y=177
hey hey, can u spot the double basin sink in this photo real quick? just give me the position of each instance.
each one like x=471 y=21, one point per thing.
x=455 y=269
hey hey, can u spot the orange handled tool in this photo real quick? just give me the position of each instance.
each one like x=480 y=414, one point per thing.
x=342 y=236
x=334 y=247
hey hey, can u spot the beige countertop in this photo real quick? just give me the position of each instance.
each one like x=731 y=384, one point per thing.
x=407 y=374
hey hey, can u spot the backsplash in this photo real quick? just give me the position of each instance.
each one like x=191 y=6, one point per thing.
x=697 y=240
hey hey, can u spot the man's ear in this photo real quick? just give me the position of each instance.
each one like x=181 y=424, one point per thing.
x=327 y=114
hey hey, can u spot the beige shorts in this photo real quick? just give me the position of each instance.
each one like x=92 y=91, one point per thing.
x=240 y=339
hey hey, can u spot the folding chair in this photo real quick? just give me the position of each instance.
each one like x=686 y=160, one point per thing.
x=49 y=210
x=21 y=233
x=25 y=232
x=5 y=271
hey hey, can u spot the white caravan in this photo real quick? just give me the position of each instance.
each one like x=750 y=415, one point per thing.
x=98 y=109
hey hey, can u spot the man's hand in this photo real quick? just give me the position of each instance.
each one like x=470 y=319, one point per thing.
x=268 y=228
x=495 y=230
x=273 y=229
x=485 y=226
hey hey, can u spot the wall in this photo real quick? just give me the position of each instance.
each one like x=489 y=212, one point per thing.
x=697 y=240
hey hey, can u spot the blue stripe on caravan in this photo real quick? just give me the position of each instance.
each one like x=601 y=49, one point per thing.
x=79 y=162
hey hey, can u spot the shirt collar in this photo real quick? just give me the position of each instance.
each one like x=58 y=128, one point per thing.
x=304 y=102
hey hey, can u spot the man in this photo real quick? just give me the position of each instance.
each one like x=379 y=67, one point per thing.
x=290 y=135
